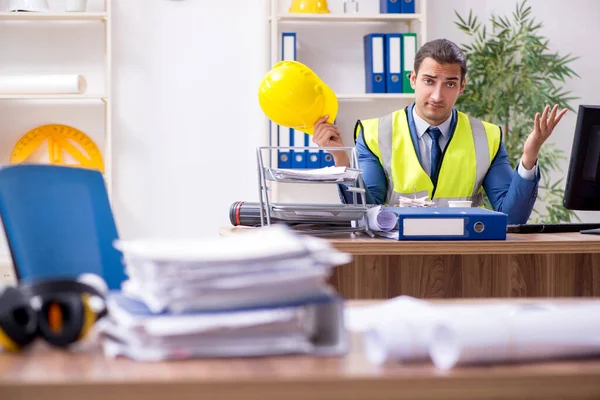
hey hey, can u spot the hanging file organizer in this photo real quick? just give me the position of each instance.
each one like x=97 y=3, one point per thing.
x=353 y=214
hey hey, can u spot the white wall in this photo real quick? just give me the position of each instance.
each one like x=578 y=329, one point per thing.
x=187 y=119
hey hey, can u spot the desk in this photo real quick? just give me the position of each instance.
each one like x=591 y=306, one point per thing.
x=524 y=265
x=532 y=265
x=46 y=374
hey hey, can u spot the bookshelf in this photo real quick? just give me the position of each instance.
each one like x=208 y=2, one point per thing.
x=341 y=65
x=45 y=104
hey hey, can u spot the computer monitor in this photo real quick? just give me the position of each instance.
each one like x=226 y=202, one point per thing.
x=582 y=189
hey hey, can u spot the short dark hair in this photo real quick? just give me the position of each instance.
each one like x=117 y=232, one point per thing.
x=444 y=52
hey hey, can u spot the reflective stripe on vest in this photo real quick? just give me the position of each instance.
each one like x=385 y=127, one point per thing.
x=471 y=150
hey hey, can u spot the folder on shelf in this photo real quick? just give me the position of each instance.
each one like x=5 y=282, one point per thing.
x=443 y=223
x=299 y=139
x=313 y=156
x=326 y=159
x=409 y=50
x=393 y=61
x=389 y=6
x=288 y=46
x=284 y=157
x=407 y=6
x=374 y=52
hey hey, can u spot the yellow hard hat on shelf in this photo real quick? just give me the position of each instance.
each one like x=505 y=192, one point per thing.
x=309 y=6
x=292 y=95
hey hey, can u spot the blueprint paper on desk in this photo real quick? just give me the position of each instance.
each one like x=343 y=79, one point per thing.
x=313 y=326
x=445 y=223
x=408 y=329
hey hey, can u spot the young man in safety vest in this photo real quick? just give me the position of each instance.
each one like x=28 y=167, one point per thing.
x=436 y=151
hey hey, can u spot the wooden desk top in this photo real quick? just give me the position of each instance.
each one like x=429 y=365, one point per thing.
x=550 y=243
x=46 y=374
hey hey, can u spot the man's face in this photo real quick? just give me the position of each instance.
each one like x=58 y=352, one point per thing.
x=437 y=87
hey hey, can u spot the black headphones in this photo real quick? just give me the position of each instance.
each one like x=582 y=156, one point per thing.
x=60 y=311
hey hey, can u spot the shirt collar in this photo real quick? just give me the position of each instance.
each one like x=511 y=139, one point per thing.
x=421 y=125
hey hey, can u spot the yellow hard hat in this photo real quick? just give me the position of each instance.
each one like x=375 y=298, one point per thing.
x=309 y=6
x=292 y=95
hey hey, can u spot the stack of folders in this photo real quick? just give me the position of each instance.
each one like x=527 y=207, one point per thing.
x=397 y=6
x=389 y=59
x=256 y=293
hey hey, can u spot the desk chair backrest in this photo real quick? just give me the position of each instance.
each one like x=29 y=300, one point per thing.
x=59 y=223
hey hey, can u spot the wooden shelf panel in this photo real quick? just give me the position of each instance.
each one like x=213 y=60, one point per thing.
x=347 y=17
x=375 y=96
x=51 y=97
x=53 y=16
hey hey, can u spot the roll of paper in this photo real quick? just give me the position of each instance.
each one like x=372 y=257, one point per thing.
x=406 y=332
x=43 y=84
x=526 y=335
x=381 y=220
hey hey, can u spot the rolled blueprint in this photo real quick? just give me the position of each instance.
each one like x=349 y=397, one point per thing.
x=379 y=219
x=43 y=84
x=404 y=332
x=564 y=331
x=398 y=329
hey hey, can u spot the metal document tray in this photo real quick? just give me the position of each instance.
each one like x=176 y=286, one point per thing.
x=318 y=212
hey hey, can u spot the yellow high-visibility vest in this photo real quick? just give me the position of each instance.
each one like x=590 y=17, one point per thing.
x=465 y=162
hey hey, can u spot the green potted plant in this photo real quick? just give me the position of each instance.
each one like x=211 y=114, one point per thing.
x=512 y=75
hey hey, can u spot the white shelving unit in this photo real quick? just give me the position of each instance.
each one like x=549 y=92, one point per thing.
x=327 y=19
x=104 y=98
x=370 y=20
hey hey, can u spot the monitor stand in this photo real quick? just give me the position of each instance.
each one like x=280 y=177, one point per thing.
x=591 y=231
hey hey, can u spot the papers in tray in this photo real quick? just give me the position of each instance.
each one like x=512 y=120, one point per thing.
x=405 y=329
x=326 y=174
x=313 y=326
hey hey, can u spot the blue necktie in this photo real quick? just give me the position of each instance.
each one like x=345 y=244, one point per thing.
x=436 y=153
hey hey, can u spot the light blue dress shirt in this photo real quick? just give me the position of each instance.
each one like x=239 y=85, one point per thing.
x=512 y=192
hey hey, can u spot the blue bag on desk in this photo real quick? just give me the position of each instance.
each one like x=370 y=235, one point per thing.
x=425 y=223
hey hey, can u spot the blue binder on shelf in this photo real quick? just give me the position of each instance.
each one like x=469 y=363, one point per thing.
x=389 y=6
x=286 y=135
x=444 y=223
x=326 y=159
x=313 y=156
x=407 y=6
x=393 y=62
x=374 y=52
x=284 y=157
x=299 y=139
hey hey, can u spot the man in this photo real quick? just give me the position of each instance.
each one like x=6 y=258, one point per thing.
x=431 y=149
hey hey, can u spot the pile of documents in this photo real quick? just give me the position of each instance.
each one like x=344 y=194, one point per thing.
x=407 y=329
x=253 y=293
x=326 y=174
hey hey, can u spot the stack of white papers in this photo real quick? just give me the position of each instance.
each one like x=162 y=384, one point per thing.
x=328 y=174
x=258 y=292
x=311 y=327
x=263 y=266
x=408 y=329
